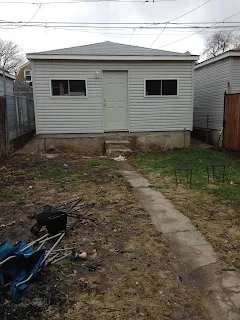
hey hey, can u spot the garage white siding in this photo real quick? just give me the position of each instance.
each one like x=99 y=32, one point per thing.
x=56 y=115
x=211 y=81
x=235 y=84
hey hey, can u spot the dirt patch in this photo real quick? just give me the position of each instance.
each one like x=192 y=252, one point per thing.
x=134 y=275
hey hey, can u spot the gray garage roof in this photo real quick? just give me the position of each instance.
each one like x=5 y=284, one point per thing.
x=109 y=48
x=112 y=51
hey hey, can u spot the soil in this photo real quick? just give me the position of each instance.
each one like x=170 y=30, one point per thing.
x=133 y=276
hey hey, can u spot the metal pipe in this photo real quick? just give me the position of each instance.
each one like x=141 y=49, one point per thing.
x=63 y=257
x=26 y=280
x=8 y=258
x=54 y=246
x=50 y=238
x=65 y=249
x=51 y=259
x=33 y=242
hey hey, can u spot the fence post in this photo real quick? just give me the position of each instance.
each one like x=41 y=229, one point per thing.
x=7 y=144
x=15 y=91
x=2 y=128
x=207 y=128
x=184 y=138
x=224 y=120
x=27 y=105
x=19 y=107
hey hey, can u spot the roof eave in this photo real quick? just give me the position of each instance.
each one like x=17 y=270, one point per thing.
x=7 y=75
x=225 y=55
x=111 y=58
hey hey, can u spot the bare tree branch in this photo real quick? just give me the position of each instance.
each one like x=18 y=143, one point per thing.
x=218 y=43
x=11 y=56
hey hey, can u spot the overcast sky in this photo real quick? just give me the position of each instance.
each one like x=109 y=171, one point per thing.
x=39 y=39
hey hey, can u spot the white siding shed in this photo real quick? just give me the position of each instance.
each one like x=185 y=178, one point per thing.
x=77 y=114
x=213 y=78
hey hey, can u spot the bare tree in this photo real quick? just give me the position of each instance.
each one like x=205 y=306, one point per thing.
x=11 y=56
x=236 y=42
x=218 y=43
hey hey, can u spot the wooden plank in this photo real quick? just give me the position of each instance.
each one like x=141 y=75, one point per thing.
x=232 y=122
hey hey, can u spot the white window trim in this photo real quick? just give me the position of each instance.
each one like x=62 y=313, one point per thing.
x=27 y=75
x=67 y=97
x=161 y=95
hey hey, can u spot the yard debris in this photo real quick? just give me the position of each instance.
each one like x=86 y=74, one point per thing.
x=54 y=218
x=7 y=225
x=120 y=158
x=51 y=155
x=21 y=262
x=82 y=255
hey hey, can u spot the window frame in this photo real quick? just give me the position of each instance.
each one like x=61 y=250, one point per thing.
x=161 y=95
x=68 y=79
x=24 y=74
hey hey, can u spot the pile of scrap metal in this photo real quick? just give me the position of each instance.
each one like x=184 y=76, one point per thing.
x=22 y=262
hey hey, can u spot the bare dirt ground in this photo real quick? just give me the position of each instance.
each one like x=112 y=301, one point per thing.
x=134 y=275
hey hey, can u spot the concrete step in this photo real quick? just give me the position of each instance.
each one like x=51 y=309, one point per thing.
x=117 y=144
x=118 y=152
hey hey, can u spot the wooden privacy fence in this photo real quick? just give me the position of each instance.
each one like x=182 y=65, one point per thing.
x=231 y=133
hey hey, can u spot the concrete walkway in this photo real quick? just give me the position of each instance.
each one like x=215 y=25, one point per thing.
x=198 y=262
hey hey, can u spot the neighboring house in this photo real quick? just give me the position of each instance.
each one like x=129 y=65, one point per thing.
x=109 y=89
x=25 y=74
x=213 y=78
x=9 y=83
x=7 y=91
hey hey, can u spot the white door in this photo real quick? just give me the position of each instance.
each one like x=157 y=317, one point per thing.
x=115 y=100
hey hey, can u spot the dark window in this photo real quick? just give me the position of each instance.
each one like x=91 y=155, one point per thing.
x=161 y=88
x=169 y=87
x=68 y=88
x=77 y=87
x=28 y=75
x=153 y=87
x=60 y=88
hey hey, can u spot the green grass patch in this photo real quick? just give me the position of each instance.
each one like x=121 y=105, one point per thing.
x=162 y=165
x=4 y=195
x=96 y=163
x=57 y=173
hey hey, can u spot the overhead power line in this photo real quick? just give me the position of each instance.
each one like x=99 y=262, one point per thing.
x=183 y=15
x=46 y=25
x=131 y=36
x=214 y=25
x=34 y=15
x=159 y=35
x=84 y=1
x=125 y=23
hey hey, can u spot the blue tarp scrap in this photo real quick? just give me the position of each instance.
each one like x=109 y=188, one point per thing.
x=20 y=267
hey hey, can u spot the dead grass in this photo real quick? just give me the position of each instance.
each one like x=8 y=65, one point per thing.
x=133 y=276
